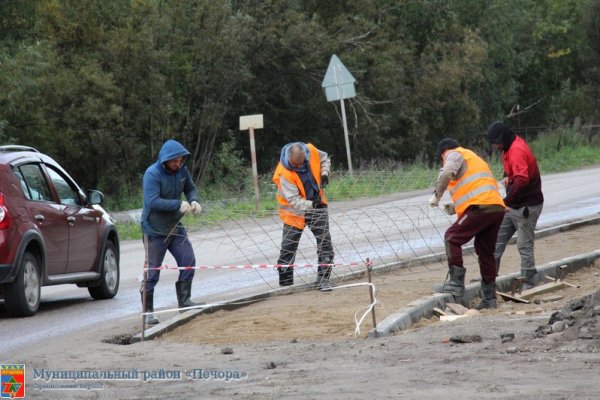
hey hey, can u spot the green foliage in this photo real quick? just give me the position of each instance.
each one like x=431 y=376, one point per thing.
x=100 y=85
x=565 y=149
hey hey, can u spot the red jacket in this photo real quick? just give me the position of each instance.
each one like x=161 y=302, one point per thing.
x=524 y=182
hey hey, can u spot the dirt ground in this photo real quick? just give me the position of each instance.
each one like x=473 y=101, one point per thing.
x=302 y=346
x=331 y=315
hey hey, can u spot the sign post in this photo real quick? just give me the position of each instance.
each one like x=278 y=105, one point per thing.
x=339 y=85
x=251 y=122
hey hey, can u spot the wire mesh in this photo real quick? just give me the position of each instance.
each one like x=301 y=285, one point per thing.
x=387 y=234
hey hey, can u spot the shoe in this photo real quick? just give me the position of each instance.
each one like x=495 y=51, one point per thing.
x=324 y=285
x=454 y=283
x=286 y=276
x=149 y=319
x=531 y=278
x=184 y=293
x=488 y=296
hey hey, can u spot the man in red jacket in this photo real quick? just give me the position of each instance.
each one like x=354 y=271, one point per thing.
x=524 y=199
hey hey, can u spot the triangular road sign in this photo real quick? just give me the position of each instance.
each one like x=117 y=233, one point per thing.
x=337 y=74
x=338 y=82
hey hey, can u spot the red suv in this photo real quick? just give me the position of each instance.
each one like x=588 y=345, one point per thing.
x=50 y=232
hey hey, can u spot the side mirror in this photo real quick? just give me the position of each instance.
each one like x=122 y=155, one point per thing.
x=94 y=197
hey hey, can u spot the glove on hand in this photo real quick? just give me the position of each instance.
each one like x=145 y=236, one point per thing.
x=449 y=209
x=324 y=180
x=196 y=207
x=185 y=207
x=317 y=204
x=434 y=201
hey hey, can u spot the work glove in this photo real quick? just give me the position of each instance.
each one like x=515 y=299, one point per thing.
x=434 y=201
x=324 y=180
x=449 y=209
x=196 y=207
x=185 y=207
x=318 y=204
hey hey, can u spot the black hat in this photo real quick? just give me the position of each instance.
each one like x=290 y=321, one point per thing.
x=501 y=133
x=498 y=132
x=446 y=144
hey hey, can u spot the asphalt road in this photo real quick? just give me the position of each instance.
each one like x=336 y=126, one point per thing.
x=382 y=229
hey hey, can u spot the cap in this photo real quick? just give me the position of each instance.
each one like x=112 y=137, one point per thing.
x=446 y=144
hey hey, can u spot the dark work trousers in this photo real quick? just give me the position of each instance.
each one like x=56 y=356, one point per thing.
x=178 y=245
x=484 y=226
x=318 y=222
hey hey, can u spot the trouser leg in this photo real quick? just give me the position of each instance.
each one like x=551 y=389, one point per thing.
x=318 y=223
x=457 y=235
x=525 y=242
x=181 y=249
x=526 y=236
x=506 y=231
x=289 y=245
x=156 y=249
x=485 y=243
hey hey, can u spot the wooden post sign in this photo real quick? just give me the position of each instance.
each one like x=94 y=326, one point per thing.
x=250 y=123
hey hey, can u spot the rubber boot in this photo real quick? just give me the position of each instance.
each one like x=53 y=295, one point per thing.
x=149 y=319
x=488 y=296
x=454 y=283
x=531 y=278
x=286 y=276
x=184 y=292
x=323 y=283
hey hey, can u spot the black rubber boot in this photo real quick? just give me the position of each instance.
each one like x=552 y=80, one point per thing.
x=454 y=283
x=323 y=283
x=286 y=276
x=149 y=319
x=184 y=292
x=531 y=278
x=488 y=296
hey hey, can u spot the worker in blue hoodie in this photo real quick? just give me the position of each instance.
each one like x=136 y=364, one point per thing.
x=164 y=183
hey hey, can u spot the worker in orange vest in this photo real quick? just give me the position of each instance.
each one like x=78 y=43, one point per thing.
x=301 y=175
x=480 y=210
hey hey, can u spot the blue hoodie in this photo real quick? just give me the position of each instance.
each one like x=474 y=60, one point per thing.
x=162 y=191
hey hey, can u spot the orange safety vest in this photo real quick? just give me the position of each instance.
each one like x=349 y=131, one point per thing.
x=288 y=214
x=476 y=186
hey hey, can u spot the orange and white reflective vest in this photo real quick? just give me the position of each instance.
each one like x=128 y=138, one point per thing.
x=288 y=214
x=476 y=186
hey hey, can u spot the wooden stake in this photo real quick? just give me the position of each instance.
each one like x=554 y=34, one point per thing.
x=372 y=298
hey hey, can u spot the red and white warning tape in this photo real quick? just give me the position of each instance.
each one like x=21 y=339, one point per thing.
x=259 y=266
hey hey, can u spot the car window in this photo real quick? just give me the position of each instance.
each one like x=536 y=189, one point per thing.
x=68 y=194
x=33 y=182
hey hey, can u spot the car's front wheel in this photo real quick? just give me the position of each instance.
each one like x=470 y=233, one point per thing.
x=22 y=297
x=108 y=285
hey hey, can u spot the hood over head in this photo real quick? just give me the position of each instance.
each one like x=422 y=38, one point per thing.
x=501 y=133
x=170 y=150
x=285 y=153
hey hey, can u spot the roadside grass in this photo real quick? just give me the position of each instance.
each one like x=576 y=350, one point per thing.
x=556 y=151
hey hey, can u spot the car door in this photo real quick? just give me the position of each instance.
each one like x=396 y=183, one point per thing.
x=83 y=222
x=47 y=214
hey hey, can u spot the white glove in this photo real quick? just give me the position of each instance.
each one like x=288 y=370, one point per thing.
x=196 y=207
x=434 y=201
x=185 y=207
x=449 y=209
